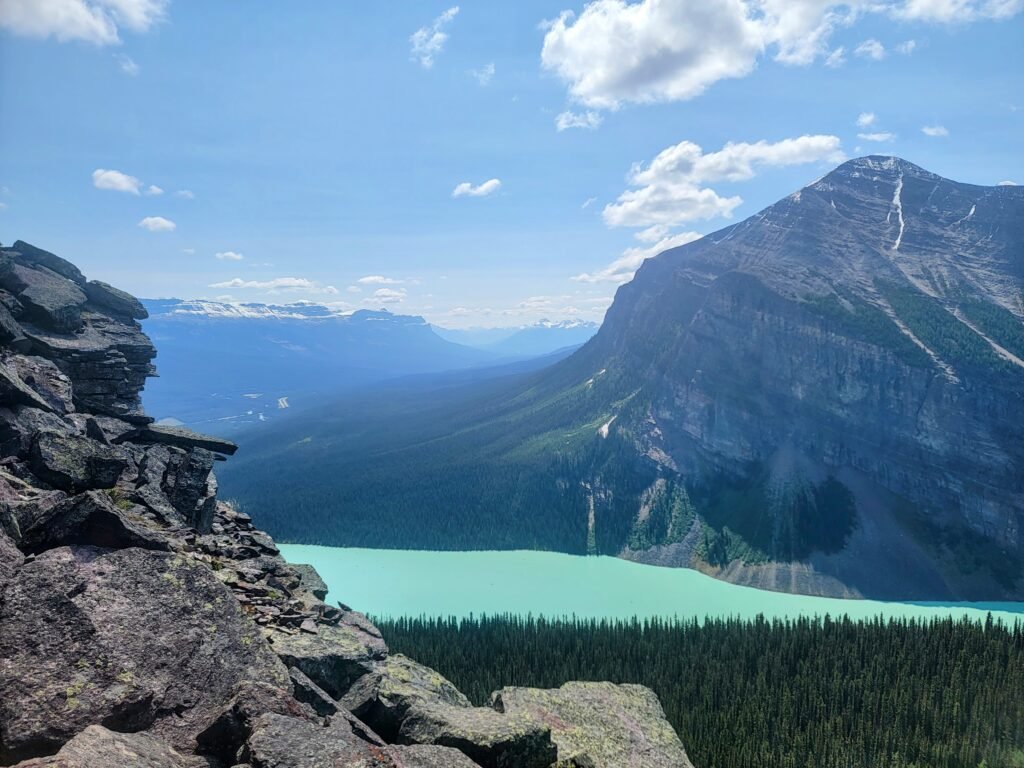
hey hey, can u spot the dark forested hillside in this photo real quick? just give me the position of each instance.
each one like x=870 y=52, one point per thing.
x=802 y=694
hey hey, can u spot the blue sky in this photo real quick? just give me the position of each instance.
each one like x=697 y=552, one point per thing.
x=323 y=142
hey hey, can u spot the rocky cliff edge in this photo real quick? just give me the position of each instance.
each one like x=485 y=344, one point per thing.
x=143 y=622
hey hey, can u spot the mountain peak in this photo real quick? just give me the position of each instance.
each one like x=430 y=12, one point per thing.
x=876 y=166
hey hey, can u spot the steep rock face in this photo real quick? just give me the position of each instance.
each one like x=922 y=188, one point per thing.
x=862 y=329
x=144 y=622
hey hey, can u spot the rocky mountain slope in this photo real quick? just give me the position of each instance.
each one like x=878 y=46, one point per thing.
x=143 y=622
x=827 y=397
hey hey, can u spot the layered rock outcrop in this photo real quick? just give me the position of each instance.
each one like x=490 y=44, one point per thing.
x=143 y=622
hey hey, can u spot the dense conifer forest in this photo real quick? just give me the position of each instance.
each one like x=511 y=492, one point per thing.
x=806 y=693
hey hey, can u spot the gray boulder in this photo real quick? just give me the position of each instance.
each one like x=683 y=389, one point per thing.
x=311 y=581
x=491 y=739
x=30 y=255
x=600 y=725
x=133 y=639
x=11 y=559
x=94 y=518
x=75 y=463
x=15 y=391
x=114 y=299
x=393 y=687
x=336 y=656
x=97 y=747
x=286 y=742
x=48 y=299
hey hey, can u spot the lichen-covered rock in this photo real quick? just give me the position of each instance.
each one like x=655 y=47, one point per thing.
x=229 y=732
x=336 y=656
x=75 y=463
x=132 y=639
x=600 y=725
x=94 y=518
x=97 y=747
x=311 y=581
x=15 y=391
x=490 y=738
x=383 y=697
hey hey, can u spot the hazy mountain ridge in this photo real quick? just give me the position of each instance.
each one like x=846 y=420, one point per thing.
x=825 y=397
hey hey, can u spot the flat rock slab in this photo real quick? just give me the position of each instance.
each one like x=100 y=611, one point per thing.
x=600 y=725
x=96 y=747
x=29 y=254
x=74 y=462
x=287 y=742
x=334 y=658
x=177 y=436
x=133 y=639
x=115 y=300
x=49 y=299
x=490 y=738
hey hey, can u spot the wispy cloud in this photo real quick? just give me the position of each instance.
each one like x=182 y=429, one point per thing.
x=127 y=64
x=389 y=295
x=153 y=190
x=378 y=280
x=276 y=284
x=589 y=119
x=484 y=75
x=466 y=189
x=864 y=119
x=870 y=49
x=935 y=130
x=228 y=256
x=428 y=42
x=157 y=224
x=186 y=194
x=880 y=136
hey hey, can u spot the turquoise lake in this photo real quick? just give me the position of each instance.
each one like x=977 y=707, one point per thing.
x=388 y=582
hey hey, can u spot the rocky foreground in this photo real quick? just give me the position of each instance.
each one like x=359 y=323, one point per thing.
x=143 y=622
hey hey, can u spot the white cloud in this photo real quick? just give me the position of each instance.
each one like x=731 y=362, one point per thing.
x=127 y=64
x=870 y=49
x=935 y=130
x=157 y=224
x=153 y=190
x=330 y=290
x=1007 y=183
x=864 y=119
x=955 y=11
x=354 y=289
x=481 y=190
x=654 y=50
x=115 y=181
x=378 y=280
x=879 y=136
x=188 y=251
x=228 y=256
x=906 y=47
x=836 y=58
x=622 y=269
x=616 y=52
x=668 y=191
x=276 y=284
x=428 y=42
x=187 y=194
x=588 y=119
x=93 y=21
x=484 y=75
x=587 y=203
x=389 y=295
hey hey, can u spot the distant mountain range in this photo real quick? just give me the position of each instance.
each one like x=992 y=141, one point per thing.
x=827 y=397
x=225 y=366
x=540 y=338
